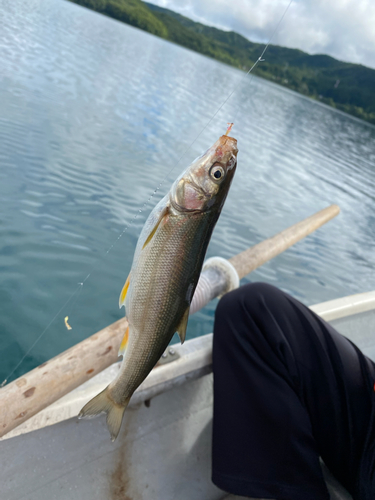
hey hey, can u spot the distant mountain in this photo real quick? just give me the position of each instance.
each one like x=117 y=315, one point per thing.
x=345 y=86
x=132 y=12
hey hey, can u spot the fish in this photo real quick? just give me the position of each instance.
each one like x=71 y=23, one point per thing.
x=164 y=274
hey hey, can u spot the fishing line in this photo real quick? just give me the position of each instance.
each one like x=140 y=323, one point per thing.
x=41 y=335
x=260 y=58
x=99 y=260
x=69 y=312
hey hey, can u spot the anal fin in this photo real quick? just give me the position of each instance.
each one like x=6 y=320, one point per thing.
x=124 y=343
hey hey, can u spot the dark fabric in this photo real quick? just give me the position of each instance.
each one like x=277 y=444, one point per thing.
x=288 y=388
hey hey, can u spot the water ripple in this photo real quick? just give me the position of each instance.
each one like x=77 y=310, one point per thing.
x=96 y=114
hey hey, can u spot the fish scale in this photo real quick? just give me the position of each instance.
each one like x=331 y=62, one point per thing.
x=165 y=271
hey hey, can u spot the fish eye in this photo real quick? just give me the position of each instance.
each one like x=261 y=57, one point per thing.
x=217 y=173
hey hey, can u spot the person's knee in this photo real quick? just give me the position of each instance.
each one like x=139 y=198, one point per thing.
x=238 y=311
x=249 y=296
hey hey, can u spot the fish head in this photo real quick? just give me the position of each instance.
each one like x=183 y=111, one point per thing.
x=204 y=185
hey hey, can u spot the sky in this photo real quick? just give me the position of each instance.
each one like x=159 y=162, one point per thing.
x=344 y=29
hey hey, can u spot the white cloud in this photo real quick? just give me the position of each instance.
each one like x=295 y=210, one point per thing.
x=344 y=29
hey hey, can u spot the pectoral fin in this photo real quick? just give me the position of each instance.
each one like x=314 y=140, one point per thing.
x=162 y=214
x=124 y=291
x=124 y=343
x=181 y=329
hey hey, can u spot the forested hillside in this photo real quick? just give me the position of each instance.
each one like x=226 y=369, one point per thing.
x=348 y=87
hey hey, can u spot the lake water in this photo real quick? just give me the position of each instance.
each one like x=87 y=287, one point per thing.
x=95 y=114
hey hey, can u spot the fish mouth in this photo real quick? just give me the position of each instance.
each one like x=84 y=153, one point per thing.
x=229 y=145
x=225 y=152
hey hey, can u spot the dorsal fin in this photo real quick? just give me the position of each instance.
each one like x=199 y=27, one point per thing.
x=124 y=291
x=162 y=214
x=181 y=329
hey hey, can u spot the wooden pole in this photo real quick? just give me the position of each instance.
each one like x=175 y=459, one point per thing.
x=37 y=389
x=255 y=256
x=50 y=381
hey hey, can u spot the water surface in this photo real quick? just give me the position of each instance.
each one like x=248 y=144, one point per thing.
x=96 y=114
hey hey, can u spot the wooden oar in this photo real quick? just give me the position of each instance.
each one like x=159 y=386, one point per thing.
x=37 y=389
x=255 y=256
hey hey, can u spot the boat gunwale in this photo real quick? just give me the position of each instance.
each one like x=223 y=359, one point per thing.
x=345 y=306
x=193 y=360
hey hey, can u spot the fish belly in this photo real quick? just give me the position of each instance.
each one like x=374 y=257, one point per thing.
x=163 y=280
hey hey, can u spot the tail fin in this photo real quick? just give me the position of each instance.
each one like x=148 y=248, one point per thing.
x=102 y=403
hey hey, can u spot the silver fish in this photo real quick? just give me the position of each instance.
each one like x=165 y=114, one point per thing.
x=165 y=271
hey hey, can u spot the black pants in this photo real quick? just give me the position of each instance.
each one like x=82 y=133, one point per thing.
x=288 y=388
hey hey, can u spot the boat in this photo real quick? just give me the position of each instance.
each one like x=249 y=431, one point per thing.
x=163 y=451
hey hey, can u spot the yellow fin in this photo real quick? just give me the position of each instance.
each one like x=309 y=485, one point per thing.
x=124 y=291
x=103 y=403
x=124 y=343
x=181 y=329
x=162 y=214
